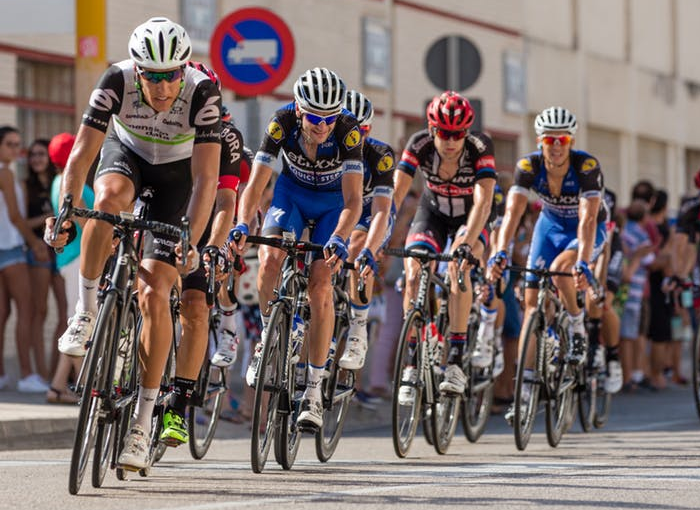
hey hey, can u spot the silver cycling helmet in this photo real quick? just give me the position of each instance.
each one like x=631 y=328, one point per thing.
x=555 y=118
x=160 y=44
x=361 y=107
x=320 y=90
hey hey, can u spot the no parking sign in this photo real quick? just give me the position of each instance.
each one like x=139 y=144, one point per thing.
x=252 y=49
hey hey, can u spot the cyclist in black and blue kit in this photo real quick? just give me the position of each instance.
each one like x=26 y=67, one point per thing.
x=373 y=230
x=570 y=232
x=321 y=180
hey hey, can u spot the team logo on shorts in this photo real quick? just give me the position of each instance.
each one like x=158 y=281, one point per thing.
x=386 y=163
x=589 y=164
x=275 y=130
x=525 y=165
x=353 y=138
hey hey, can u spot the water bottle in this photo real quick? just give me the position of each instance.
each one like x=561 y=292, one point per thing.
x=552 y=345
x=331 y=356
x=297 y=336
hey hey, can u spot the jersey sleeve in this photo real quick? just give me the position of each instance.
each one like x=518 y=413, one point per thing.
x=105 y=100
x=410 y=161
x=231 y=158
x=383 y=165
x=349 y=138
x=278 y=129
x=591 y=177
x=205 y=114
x=524 y=175
x=485 y=161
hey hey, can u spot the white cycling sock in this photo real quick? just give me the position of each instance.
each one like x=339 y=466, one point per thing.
x=87 y=294
x=577 y=325
x=143 y=413
x=229 y=317
x=313 y=384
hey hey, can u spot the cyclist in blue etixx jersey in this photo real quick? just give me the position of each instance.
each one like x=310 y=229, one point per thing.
x=570 y=231
x=459 y=171
x=194 y=311
x=374 y=228
x=321 y=181
x=166 y=135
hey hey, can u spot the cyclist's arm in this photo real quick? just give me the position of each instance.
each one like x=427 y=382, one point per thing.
x=352 y=209
x=588 y=212
x=515 y=208
x=223 y=216
x=483 y=198
x=87 y=145
x=402 y=183
x=381 y=210
x=205 y=172
x=252 y=194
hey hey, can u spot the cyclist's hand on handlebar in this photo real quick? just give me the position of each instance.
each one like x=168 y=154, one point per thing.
x=191 y=262
x=370 y=264
x=65 y=236
x=236 y=239
x=335 y=252
x=582 y=275
x=496 y=265
x=463 y=252
x=221 y=261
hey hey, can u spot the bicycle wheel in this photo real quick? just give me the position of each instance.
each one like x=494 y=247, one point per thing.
x=527 y=390
x=444 y=416
x=268 y=386
x=205 y=405
x=478 y=397
x=603 y=403
x=406 y=407
x=587 y=394
x=107 y=428
x=426 y=423
x=288 y=435
x=560 y=383
x=338 y=390
x=94 y=388
x=696 y=371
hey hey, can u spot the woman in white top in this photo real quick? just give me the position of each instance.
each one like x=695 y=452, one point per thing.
x=15 y=284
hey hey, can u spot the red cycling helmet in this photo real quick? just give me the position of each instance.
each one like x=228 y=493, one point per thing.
x=209 y=72
x=450 y=111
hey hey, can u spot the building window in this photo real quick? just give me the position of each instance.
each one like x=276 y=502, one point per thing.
x=46 y=98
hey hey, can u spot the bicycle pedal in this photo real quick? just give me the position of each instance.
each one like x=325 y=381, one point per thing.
x=308 y=428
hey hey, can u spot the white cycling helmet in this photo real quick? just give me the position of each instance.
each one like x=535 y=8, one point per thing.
x=555 y=118
x=160 y=44
x=361 y=107
x=320 y=90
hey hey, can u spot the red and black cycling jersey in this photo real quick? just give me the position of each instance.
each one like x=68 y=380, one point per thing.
x=380 y=163
x=583 y=179
x=688 y=221
x=341 y=153
x=453 y=198
x=195 y=116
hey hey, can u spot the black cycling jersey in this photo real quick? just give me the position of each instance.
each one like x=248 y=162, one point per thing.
x=341 y=153
x=158 y=138
x=379 y=161
x=453 y=198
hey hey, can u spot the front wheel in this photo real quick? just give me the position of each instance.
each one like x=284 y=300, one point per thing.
x=560 y=380
x=527 y=386
x=408 y=384
x=203 y=413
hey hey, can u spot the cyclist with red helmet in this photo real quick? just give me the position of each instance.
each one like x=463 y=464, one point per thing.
x=459 y=171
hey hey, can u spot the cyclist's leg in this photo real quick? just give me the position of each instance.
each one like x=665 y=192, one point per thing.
x=356 y=345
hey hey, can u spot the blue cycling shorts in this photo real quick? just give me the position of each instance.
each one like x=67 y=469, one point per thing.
x=550 y=238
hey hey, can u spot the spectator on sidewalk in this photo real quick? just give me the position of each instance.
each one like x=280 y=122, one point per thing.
x=68 y=262
x=15 y=237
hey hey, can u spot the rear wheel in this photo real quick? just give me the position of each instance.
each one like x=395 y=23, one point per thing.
x=478 y=397
x=444 y=414
x=406 y=408
x=587 y=396
x=288 y=437
x=338 y=391
x=527 y=389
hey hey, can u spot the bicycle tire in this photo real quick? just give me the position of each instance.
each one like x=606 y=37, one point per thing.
x=338 y=391
x=603 y=404
x=426 y=423
x=444 y=415
x=696 y=371
x=209 y=393
x=404 y=424
x=476 y=405
x=525 y=412
x=587 y=394
x=93 y=388
x=267 y=394
x=560 y=386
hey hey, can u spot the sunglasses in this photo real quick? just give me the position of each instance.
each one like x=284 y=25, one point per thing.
x=560 y=140
x=317 y=119
x=445 y=134
x=159 y=76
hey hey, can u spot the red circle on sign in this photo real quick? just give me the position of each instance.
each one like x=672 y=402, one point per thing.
x=227 y=28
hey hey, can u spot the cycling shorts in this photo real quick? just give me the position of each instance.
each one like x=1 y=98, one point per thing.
x=172 y=187
x=431 y=230
x=550 y=238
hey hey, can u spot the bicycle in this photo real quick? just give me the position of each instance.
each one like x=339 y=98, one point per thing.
x=418 y=363
x=553 y=379
x=277 y=395
x=108 y=379
x=211 y=386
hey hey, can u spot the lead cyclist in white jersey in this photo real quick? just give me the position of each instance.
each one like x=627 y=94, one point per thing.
x=166 y=135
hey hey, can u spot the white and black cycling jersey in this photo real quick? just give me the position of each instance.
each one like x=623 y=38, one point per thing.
x=158 y=138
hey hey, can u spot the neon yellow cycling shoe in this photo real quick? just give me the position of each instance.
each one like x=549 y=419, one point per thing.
x=174 y=429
